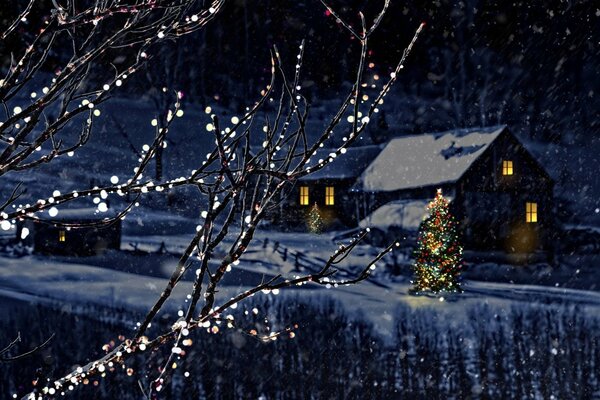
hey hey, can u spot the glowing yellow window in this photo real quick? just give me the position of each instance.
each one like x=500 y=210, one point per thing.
x=329 y=196
x=303 y=195
x=62 y=236
x=507 y=167
x=531 y=212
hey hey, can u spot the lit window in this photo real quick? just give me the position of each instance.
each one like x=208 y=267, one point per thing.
x=62 y=236
x=329 y=196
x=507 y=167
x=531 y=212
x=303 y=195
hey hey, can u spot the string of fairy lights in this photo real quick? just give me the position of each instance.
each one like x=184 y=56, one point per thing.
x=438 y=257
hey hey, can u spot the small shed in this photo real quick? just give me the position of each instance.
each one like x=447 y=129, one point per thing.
x=73 y=232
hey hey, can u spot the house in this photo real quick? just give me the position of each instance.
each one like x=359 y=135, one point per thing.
x=52 y=235
x=329 y=189
x=501 y=196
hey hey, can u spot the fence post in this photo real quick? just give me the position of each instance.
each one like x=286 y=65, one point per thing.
x=297 y=262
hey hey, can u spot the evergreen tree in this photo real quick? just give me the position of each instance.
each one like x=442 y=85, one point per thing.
x=315 y=221
x=438 y=257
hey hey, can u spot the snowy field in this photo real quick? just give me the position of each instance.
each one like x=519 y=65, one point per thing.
x=370 y=340
x=133 y=281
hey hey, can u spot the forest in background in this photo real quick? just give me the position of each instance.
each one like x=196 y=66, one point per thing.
x=529 y=64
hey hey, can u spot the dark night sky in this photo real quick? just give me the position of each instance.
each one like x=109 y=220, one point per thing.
x=532 y=64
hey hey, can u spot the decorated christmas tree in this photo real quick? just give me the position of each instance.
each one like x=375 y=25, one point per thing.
x=438 y=257
x=315 y=221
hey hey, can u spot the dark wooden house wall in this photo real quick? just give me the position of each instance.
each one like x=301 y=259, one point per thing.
x=491 y=206
x=84 y=241
x=293 y=216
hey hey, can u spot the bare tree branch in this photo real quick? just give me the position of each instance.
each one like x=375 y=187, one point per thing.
x=12 y=344
x=240 y=183
x=148 y=23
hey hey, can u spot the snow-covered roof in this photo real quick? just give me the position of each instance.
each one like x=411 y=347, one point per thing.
x=348 y=165
x=79 y=214
x=406 y=214
x=427 y=159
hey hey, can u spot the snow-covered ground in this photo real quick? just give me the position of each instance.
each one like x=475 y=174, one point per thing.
x=154 y=223
x=133 y=281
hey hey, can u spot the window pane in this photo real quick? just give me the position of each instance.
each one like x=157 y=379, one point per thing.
x=329 y=196
x=531 y=212
x=507 y=167
x=304 y=195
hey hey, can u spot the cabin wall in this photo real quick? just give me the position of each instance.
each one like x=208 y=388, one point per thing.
x=84 y=241
x=491 y=207
x=293 y=216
